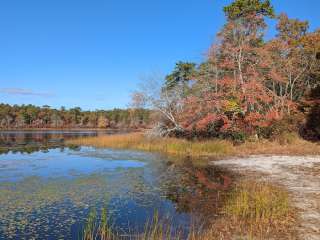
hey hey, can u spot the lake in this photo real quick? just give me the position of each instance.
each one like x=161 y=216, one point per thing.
x=48 y=189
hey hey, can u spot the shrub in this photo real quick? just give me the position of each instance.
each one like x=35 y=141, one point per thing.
x=289 y=124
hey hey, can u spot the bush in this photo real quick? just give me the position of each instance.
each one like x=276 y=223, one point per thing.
x=287 y=138
x=312 y=126
x=289 y=124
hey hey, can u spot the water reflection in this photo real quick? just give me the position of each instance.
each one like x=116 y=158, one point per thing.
x=47 y=195
x=34 y=141
x=201 y=190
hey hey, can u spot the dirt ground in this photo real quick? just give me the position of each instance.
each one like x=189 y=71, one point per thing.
x=300 y=175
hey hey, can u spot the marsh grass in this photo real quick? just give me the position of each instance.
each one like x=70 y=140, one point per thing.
x=288 y=144
x=94 y=229
x=252 y=210
x=285 y=144
x=155 y=229
x=258 y=210
x=172 y=146
x=258 y=203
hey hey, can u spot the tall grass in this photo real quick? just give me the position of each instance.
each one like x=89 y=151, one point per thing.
x=155 y=229
x=258 y=202
x=285 y=144
x=253 y=210
x=172 y=146
x=288 y=145
x=98 y=230
x=158 y=230
x=258 y=209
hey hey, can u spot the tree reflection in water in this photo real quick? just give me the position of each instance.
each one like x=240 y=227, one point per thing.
x=35 y=141
x=182 y=189
x=198 y=190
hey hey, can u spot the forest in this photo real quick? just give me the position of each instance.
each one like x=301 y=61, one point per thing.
x=30 y=116
x=247 y=86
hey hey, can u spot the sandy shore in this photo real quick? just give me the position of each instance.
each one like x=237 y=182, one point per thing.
x=300 y=175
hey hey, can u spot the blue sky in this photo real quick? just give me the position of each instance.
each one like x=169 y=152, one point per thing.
x=93 y=53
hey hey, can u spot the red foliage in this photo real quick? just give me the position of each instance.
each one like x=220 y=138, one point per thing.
x=238 y=96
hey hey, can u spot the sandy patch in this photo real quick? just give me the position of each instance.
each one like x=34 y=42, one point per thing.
x=301 y=175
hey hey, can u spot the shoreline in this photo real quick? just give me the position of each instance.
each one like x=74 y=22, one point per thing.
x=299 y=175
x=215 y=149
x=72 y=129
x=259 y=188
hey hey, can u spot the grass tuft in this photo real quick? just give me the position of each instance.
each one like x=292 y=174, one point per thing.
x=259 y=210
x=258 y=203
x=253 y=210
x=98 y=230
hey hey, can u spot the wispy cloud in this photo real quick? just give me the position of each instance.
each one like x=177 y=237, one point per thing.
x=24 y=92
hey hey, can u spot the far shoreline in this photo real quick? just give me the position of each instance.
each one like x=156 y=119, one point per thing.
x=73 y=129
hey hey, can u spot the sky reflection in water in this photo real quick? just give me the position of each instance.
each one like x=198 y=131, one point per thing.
x=47 y=194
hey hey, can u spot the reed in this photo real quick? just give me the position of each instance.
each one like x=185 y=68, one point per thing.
x=101 y=229
x=258 y=209
x=94 y=229
x=253 y=210
x=258 y=202
x=158 y=230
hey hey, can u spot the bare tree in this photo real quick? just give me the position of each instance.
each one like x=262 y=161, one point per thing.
x=168 y=102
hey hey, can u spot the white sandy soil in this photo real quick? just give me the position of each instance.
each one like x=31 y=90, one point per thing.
x=300 y=175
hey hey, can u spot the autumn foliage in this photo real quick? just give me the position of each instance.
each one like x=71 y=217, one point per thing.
x=247 y=84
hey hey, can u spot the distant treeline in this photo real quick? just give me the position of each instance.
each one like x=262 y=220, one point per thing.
x=30 y=116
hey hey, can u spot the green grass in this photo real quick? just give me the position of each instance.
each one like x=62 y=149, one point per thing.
x=98 y=230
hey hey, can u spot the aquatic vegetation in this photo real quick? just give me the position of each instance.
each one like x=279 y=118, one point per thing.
x=54 y=205
x=94 y=230
x=49 y=206
x=155 y=229
x=252 y=210
x=195 y=196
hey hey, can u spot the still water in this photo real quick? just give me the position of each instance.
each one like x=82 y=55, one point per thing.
x=47 y=189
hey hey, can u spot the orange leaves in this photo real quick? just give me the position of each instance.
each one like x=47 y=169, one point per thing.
x=248 y=83
x=273 y=115
x=255 y=119
x=204 y=122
